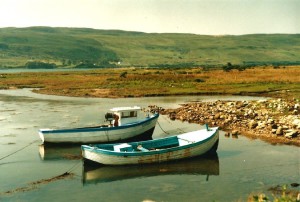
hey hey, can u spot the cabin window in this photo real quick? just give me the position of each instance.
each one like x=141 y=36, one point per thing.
x=129 y=114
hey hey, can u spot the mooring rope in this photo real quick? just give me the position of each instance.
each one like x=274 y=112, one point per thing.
x=162 y=128
x=170 y=123
x=73 y=167
x=18 y=150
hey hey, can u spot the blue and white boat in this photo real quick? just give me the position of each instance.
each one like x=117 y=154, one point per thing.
x=170 y=148
x=126 y=124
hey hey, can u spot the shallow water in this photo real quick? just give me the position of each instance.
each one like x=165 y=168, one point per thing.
x=242 y=166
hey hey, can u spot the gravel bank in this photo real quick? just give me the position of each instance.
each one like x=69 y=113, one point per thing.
x=274 y=120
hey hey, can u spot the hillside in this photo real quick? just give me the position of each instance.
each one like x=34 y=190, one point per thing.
x=75 y=46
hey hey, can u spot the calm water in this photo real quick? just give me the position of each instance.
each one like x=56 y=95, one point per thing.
x=242 y=166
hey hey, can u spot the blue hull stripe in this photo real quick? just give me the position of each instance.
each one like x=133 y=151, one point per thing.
x=96 y=129
x=153 y=152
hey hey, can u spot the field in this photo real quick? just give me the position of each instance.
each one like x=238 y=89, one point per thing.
x=281 y=82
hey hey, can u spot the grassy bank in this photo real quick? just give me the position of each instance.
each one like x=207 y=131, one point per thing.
x=71 y=47
x=135 y=82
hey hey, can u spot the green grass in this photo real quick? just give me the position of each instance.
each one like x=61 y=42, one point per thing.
x=19 y=45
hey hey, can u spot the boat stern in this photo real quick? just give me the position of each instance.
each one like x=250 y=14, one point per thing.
x=41 y=133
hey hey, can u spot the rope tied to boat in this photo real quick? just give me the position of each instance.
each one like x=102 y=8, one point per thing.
x=166 y=131
x=18 y=150
x=189 y=141
x=162 y=128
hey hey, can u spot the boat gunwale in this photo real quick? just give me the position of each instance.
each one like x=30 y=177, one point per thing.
x=96 y=129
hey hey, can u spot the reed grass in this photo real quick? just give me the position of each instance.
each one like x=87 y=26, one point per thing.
x=279 y=82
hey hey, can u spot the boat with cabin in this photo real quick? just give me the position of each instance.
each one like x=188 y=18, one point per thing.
x=125 y=124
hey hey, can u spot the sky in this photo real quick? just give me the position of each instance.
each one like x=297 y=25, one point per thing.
x=209 y=17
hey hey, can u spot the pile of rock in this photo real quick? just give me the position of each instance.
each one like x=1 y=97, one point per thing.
x=276 y=120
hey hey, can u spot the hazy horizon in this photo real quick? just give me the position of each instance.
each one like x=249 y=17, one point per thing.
x=202 y=17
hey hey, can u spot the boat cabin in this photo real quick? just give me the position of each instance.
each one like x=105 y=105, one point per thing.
x=125 y=115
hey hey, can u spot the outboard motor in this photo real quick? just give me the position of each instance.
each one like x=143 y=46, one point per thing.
x=109 y=117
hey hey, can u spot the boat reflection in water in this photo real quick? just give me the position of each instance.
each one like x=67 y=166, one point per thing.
x=203 y=165
x=52 y=152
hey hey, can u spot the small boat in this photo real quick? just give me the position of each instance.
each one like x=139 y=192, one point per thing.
x=170 y=148
x=125 y=124
x=199 y=166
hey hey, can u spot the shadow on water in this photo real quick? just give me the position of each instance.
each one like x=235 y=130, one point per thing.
x=203 y=165
x=55 y=152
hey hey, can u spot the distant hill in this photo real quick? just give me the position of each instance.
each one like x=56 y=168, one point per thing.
x=84 y=47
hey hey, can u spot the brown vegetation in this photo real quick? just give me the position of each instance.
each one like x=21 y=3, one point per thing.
x=275 y=82
x=36 y=184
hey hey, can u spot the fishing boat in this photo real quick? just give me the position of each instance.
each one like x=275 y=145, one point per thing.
x=170 y=148
x=125 y=124
x=207 y=165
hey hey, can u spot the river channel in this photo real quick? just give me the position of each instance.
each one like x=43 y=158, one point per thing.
x=28 y=170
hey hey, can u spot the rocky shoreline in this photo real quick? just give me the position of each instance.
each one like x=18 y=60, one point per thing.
x=276 y=121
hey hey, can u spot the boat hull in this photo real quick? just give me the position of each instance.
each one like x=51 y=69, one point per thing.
x=199 y=148
x=136 y=131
